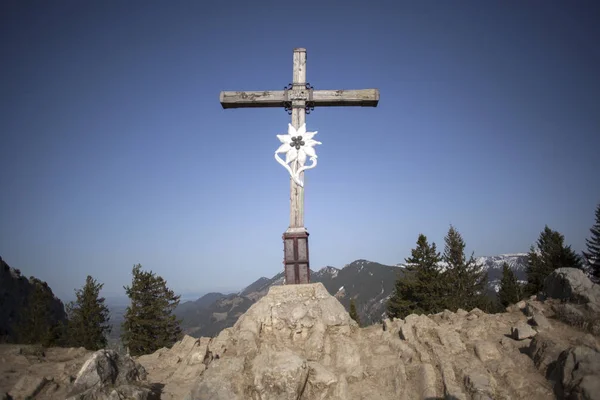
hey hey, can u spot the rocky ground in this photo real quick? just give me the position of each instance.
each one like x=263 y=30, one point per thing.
x=298 y=342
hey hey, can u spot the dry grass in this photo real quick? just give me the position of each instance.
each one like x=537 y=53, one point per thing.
x=578 y=317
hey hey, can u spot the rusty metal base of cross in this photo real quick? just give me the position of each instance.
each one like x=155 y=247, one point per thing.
x=295 y=257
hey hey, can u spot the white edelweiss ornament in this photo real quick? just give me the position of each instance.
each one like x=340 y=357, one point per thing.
x=296 y=146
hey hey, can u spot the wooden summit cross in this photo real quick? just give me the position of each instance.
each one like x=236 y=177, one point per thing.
x=298 y=99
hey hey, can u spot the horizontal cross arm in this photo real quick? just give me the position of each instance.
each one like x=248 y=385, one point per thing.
x=319 y=98
x=334 y=98
x=274 y=98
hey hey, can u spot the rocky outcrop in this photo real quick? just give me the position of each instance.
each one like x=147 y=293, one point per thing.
x=573 y=285
x=298 y=342
x=30 y=372
x=176 y=368
x=579 y=297
x=14 y=297
x=578 y=373
x=108 y=375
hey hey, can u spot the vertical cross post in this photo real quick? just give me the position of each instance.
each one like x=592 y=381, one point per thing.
x=295 y=238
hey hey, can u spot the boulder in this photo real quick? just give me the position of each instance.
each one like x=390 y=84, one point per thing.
x=28 y=387
x=579 y=373
x=540 y=321
x=573 y=285
x=522 y=331
x=107 y=374
x=279 y=375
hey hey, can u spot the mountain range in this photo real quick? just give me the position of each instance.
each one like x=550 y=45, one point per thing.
x=370 y=284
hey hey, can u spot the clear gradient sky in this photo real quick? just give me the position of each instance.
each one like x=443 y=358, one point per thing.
x=115 y=149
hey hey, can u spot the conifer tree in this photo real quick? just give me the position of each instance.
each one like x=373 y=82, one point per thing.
x=592 y=255
x=149 y=320
x=88 y=317
x=550 y=254
x=420 y=289
x=510 y=290
x=465 y=280
x=353 y=312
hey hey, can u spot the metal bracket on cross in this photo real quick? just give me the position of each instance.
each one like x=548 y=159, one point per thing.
x=301 y=92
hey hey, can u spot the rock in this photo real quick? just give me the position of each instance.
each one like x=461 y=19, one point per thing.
x=532 y=306
x=579 y=373
x=28 y=387
x=406 y=333
x=544 y=351
x=479 y=384
x=451 y=340
x=462 y=313
x=477 y=311
x=540 y=321
x=279 y=375
x=427 y=382
x=104 y=372
x=221 y=381
x=451 y=388
x=522 y=331
x=321 y=383
x=573 y=285
x=486 y=351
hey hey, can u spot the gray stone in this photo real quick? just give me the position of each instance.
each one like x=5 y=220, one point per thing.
x=573 y=285
x=486 y=351
x=279 y=375
x=479 y=384
x=322 y=382
x=522 y=331
x=221 y=381
x=105 y=372
x=532 y=307
x=28 y=387
x=540 y=321
x=579 y=372
x=427 y=382
x=544 y=351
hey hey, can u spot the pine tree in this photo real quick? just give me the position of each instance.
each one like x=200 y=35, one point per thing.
x=88 y=317
x=592 y=255
x=353 y=313
x=420 y=289
x=149 y=320
x=465 y=280
x=510 y=290
x=551 y=253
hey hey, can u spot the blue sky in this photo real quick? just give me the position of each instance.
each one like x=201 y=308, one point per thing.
x=116 y=151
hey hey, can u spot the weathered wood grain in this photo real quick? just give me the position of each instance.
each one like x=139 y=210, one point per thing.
x=298 y=119
x=334 y=98
x=321 y=98
x=252 y=99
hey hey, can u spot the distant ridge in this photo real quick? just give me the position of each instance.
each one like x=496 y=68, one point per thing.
x=369 y=283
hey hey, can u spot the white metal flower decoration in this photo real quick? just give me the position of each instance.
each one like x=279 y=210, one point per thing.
x=297 y=145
